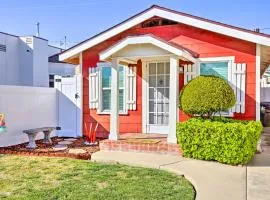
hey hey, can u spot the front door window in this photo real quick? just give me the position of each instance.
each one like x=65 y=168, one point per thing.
x=158 y=94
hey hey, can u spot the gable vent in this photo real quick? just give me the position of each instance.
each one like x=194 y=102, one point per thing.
x=157 y=22
x=3 y=48
x=28 y=40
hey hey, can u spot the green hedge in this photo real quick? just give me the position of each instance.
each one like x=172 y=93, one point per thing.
x=224 y=140
x=206 y=95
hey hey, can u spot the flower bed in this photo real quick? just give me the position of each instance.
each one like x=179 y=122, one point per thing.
x=224 y=140
x=47 y=149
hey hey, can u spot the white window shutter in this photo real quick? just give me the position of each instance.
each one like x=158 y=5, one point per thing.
x=239 y=86
x=189 y=72
x=131 y=88
x=93 y=87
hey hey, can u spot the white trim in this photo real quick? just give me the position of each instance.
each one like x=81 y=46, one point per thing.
x=144 y=96
x=131 y=59
x=174 y=99
x=150 y=128
x=145 y=39
x=258 y=80
x=79 y=80
x=214 y=59
x=178 y=17
x=114 y=117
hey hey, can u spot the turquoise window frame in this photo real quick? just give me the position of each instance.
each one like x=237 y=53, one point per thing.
x=211 y=68
x=105 y=87
x=218 y=60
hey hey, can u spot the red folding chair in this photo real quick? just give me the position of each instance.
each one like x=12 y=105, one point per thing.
x=91 y=134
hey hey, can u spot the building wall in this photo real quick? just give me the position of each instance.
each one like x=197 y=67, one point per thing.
x=40 y=63
x=25 y=54
x=37 y=107
x=205 y=43
x=9 y=69
x=25 y=61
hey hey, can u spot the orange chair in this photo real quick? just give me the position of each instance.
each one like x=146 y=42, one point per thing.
x=91 y=134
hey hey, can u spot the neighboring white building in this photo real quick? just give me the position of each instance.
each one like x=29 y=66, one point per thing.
x=25 y=61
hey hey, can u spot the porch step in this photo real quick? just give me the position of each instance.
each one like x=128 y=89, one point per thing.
x=127 y=146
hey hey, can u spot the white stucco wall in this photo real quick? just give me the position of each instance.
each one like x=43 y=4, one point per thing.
x=40 y=63
x=25 y=54
x=26 y=108
x=62 y=69
x=25 y=62
x=9 y=69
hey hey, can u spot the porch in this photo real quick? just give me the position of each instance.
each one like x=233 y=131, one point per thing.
x=159 y=62
x=144 y=143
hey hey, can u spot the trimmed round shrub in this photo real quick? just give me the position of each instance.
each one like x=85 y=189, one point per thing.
x=224 y=140
x=206 y=95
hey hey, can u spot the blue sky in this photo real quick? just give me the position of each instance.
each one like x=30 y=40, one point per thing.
x=81 y=19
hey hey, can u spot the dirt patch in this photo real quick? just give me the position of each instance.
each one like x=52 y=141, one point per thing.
x=47 y=149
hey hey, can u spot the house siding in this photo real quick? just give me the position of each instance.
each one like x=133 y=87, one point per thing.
x=205 y=43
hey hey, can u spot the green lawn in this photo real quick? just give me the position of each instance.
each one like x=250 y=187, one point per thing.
x=61 y=178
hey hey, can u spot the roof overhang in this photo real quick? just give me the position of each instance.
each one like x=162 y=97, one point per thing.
x=147 y=39
x=183 y=18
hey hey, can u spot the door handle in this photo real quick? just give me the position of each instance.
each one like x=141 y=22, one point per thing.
x=77 y=96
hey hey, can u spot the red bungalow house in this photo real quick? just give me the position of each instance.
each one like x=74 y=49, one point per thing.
x=133 y=72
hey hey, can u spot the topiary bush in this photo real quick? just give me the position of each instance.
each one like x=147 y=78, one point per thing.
x=224 y=140
x=206 y=95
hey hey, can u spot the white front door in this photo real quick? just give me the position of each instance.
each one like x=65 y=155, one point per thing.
x=69 y=102
x=158 y=97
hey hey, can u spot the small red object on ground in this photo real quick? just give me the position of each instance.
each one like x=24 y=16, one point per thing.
x=91 y=133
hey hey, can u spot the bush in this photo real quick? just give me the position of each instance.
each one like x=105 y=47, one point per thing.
x=224 y=140
x=206 y=95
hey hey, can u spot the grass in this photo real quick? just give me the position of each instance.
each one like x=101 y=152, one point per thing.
x=61 y=178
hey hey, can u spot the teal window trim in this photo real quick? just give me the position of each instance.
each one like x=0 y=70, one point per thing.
x=220 y=69
x=213 y=70
x=105 y=89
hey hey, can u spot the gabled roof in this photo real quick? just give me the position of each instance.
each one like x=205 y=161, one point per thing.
x=232 y=31
x=149 y=39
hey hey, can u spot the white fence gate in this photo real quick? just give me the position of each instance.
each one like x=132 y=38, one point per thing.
x=70 y=105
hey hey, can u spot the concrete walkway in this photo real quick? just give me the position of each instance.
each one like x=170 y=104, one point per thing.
x=258 y=178
x=212 y=181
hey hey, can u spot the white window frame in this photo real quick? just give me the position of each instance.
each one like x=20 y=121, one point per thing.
x=100 y=110
x=230 y=60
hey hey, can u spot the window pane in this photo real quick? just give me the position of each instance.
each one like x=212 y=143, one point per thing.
x=106 y=99
x=219 y=69
x=152 y=94
x=121 y=76
x=160 y=81
x=121 y=99
x=106 y=93
x=152 y=81
x=167 y=82
x=160 y=68
x=152 y=106
x=152 y=69
x=106 y=77
x=152 y=118
x=167 y=68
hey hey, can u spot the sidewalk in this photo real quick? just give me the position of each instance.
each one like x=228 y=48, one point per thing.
x=212 y=181
x=258 y=178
